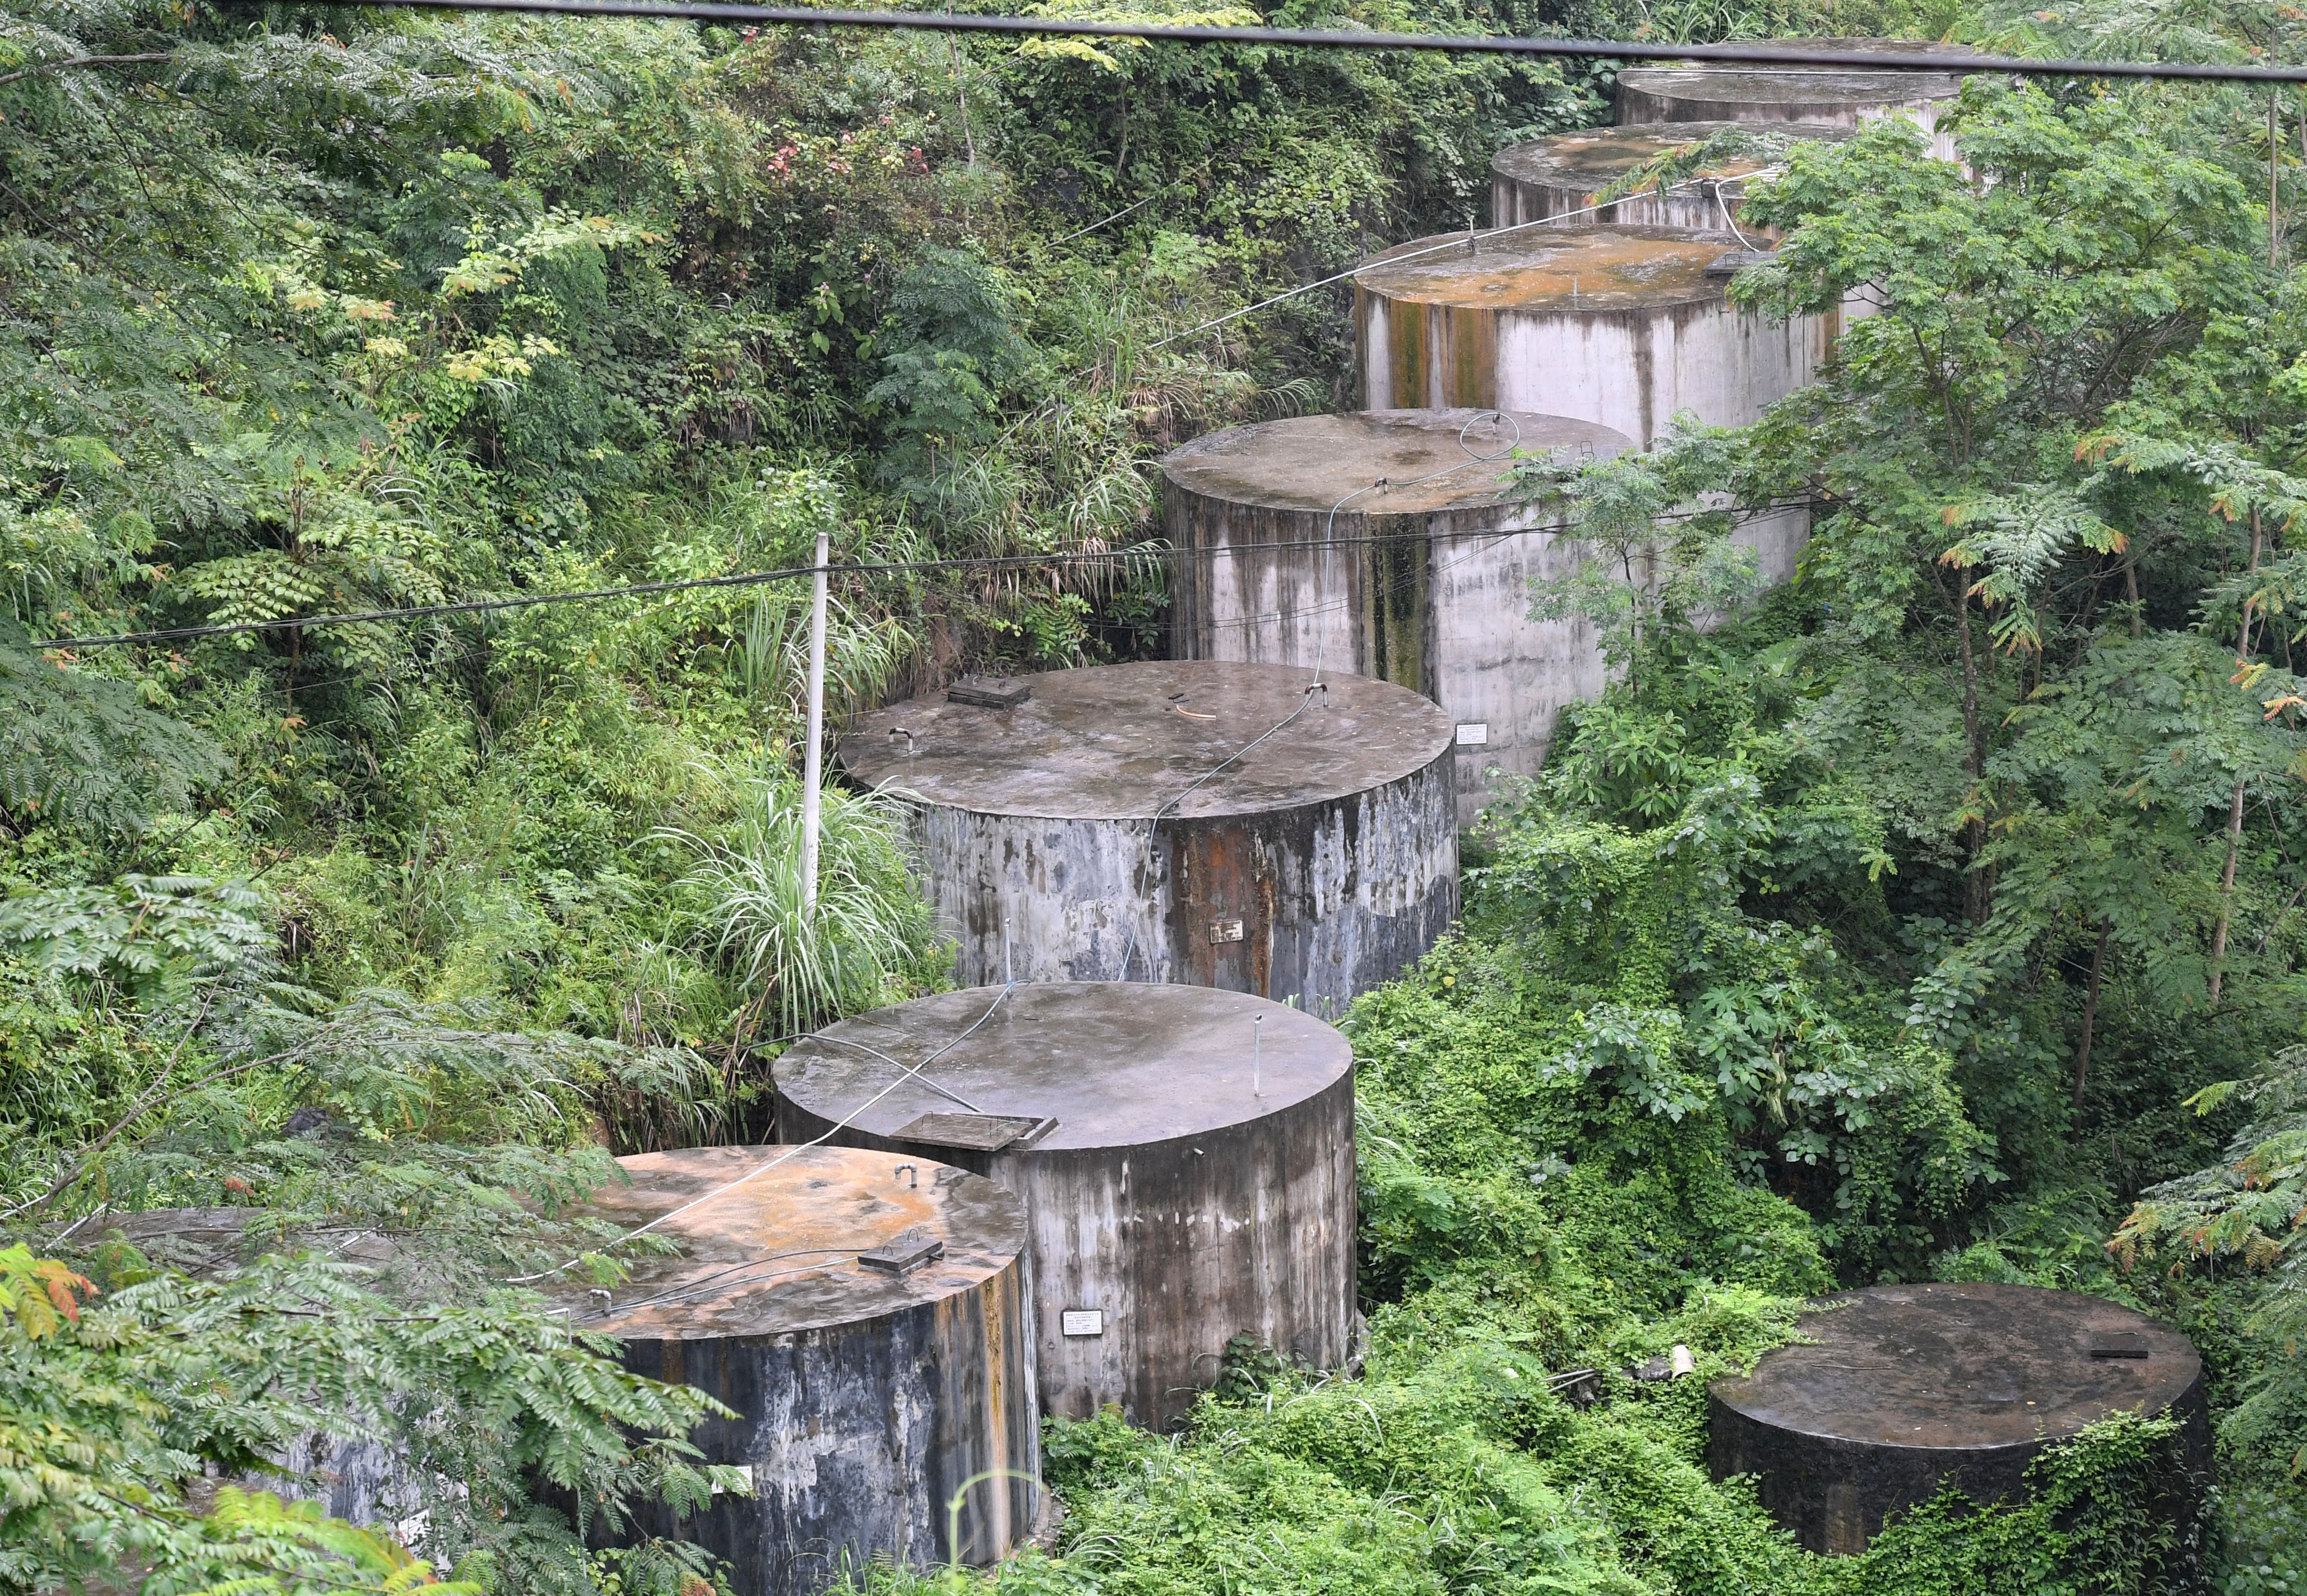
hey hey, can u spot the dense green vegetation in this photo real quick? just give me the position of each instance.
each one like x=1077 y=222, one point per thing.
x=1941 y=914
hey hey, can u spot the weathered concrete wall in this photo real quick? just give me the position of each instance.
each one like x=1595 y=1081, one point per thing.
x=1441 y=607
x=1622 y=326
x=362 y=1479
x=1904 y=1389
x=1560 y=175
x=1790 y=95
x=1311 y=870
x=857 y=1437
x=1167 y=1198
x=866 y=1401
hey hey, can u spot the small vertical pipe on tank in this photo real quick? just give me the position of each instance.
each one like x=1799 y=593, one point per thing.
x=1008 y=977
x=1255 y=1022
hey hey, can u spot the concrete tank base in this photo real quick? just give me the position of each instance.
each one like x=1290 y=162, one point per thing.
x=866 y=1317
x=1903 y=1389
x=1186 y=1157
x=1233 y=826
x=1289 y=552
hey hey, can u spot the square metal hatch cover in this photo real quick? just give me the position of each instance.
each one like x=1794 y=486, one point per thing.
x=977 y=1133
x=988 y=692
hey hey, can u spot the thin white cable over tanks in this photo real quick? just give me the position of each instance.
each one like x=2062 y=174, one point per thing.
x=909 y=1071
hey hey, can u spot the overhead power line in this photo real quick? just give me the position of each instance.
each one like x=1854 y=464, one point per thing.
x=788 y=573
x=1759 y=54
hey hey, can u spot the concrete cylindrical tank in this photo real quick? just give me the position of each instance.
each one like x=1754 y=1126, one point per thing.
x=1901 y=1389
x=1186 y=1157
x=362 y=1479
x=1560 y=175
x=1781 y=95
x=1310 y=867
x=1623 y=326
x=866 y=1317
x=1423 y=582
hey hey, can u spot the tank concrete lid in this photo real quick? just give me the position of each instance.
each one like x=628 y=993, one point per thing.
x=1874 y=45
x=1562 y=270
x=1592 y=158
x=1118 y=741
x=203 y=1241
x=781 y=1251
x=1964 y=1367
x=1311 y=462
x=1118 y=1064
x=1825 y=88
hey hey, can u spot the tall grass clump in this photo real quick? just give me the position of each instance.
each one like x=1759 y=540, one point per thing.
x=870 y=936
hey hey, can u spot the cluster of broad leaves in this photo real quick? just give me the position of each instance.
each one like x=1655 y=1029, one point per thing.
x=111 y=1397
x=378 y=938
x=2023 y=748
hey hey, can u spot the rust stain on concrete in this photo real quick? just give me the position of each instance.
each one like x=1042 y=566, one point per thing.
x=1605 y=269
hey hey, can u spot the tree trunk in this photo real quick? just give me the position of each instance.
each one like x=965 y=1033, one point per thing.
x=2227 y=894
x=2091 y=1009
x=1975 y=895
x=961 y=98
x=2234 y=804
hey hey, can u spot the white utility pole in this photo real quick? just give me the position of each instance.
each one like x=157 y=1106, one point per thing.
x=812 y=768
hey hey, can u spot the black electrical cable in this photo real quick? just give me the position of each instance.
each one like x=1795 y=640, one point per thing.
x=750 y=579
x=1477 y=44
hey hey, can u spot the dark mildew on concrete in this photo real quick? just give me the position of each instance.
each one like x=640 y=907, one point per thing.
x=1901 y=1388
x=866 y=1397
x=1424 y=582
x=1116 y=742
x=1313 y=867
x=1198 y=1181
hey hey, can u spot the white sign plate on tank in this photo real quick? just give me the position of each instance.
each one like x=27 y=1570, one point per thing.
x=1082 y=1321
x=1473 y=734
